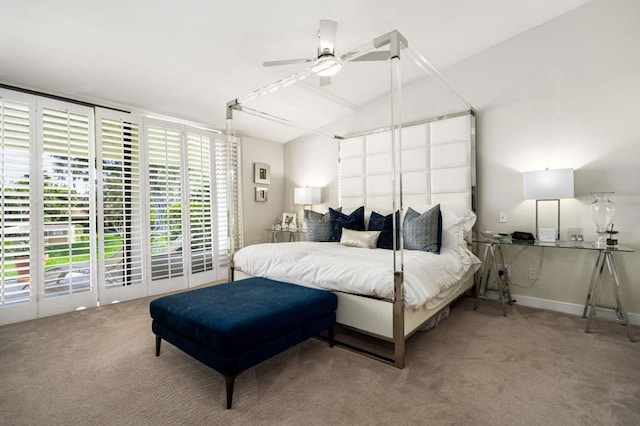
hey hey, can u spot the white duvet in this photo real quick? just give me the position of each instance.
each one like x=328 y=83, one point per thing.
x=332 y=266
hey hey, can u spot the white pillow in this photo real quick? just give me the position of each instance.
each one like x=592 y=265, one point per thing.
x=362 y=239
x=454 y=228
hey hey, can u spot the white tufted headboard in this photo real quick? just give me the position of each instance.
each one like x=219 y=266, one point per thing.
x=438 y=166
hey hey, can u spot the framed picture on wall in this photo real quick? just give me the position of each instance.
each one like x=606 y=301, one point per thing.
x=261 y=173
x=261 y=193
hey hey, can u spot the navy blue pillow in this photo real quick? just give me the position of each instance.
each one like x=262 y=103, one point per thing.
x=339 y=220
x=384 y=224
x=423 y=231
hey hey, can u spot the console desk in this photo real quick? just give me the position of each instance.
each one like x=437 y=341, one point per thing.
x=286 y=235
x=493 y=257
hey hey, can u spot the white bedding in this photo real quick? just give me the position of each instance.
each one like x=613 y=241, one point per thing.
x=332 y=266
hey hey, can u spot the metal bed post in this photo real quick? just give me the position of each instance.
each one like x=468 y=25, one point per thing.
x=233 y=210
x=396 y=43
x=398 y=320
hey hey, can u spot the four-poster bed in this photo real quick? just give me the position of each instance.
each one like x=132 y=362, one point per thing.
x=407 y=161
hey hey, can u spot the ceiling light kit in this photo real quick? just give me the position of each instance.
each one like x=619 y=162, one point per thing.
x=326 y=64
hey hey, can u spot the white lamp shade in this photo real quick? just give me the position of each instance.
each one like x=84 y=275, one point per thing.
x=306 y=195
x=543 y=184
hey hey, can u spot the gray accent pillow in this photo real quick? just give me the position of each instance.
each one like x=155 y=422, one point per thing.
x=318 y=226
x=423 y=231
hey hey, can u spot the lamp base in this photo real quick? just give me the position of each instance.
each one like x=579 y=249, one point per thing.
x=547 y=235
x=539 y=229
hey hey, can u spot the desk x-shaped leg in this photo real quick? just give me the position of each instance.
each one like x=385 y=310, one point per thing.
x=605 y=257
x=493 y=256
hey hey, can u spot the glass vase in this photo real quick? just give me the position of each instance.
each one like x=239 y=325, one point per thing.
x=602 y=212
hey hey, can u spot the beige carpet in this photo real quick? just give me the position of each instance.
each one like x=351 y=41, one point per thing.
x=532 y=368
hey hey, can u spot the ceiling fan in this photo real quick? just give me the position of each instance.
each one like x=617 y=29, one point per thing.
x=326 y=63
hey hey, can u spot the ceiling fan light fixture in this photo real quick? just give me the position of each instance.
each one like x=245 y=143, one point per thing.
x=326 y=66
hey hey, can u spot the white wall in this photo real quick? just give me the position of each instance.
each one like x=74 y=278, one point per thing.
x=259 y=216
x=312 y=161
x=564 y=94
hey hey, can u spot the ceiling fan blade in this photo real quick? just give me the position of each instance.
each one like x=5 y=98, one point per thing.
x=325 y=81
x=373 y=56
x=327 y=36
x=287 y=62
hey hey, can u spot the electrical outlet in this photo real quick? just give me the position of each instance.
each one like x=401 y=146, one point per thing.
x=502 y=217
x=533 y=274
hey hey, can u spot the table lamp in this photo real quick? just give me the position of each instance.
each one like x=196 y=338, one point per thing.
x=307 y=196
x=548 y=185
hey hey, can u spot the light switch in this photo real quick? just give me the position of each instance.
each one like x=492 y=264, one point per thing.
x=502 y=217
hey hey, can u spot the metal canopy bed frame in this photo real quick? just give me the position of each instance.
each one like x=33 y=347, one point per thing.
x=442 y=102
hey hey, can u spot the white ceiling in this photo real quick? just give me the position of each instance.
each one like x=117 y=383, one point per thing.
x=187 y=59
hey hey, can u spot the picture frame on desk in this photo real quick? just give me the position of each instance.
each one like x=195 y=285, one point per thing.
x=288 y=220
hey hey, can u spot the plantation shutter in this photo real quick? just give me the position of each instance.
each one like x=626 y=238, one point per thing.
x=120 y=210
x=164 y=174
x=68 y=190
x=228 y=199
x=88 y=219
x=17 y=286
x=200 y=181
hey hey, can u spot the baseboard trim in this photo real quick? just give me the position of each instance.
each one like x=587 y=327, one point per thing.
x=565 y=307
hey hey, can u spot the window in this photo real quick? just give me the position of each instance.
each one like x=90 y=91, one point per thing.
x=229 y=206
x=15 y=179
x=200 y=202
x=101 y=206
x=68 y=191
x=165 y=201
x=120 y=218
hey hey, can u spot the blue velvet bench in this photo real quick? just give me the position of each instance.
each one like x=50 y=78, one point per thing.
x=234 y=326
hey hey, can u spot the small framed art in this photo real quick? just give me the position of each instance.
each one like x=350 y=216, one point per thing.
x=288 y=220
x=261 y=194
x=261 y=173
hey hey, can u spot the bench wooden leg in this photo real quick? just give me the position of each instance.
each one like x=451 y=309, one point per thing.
x=158 y=341
x=229 y=382
x=331 y=336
